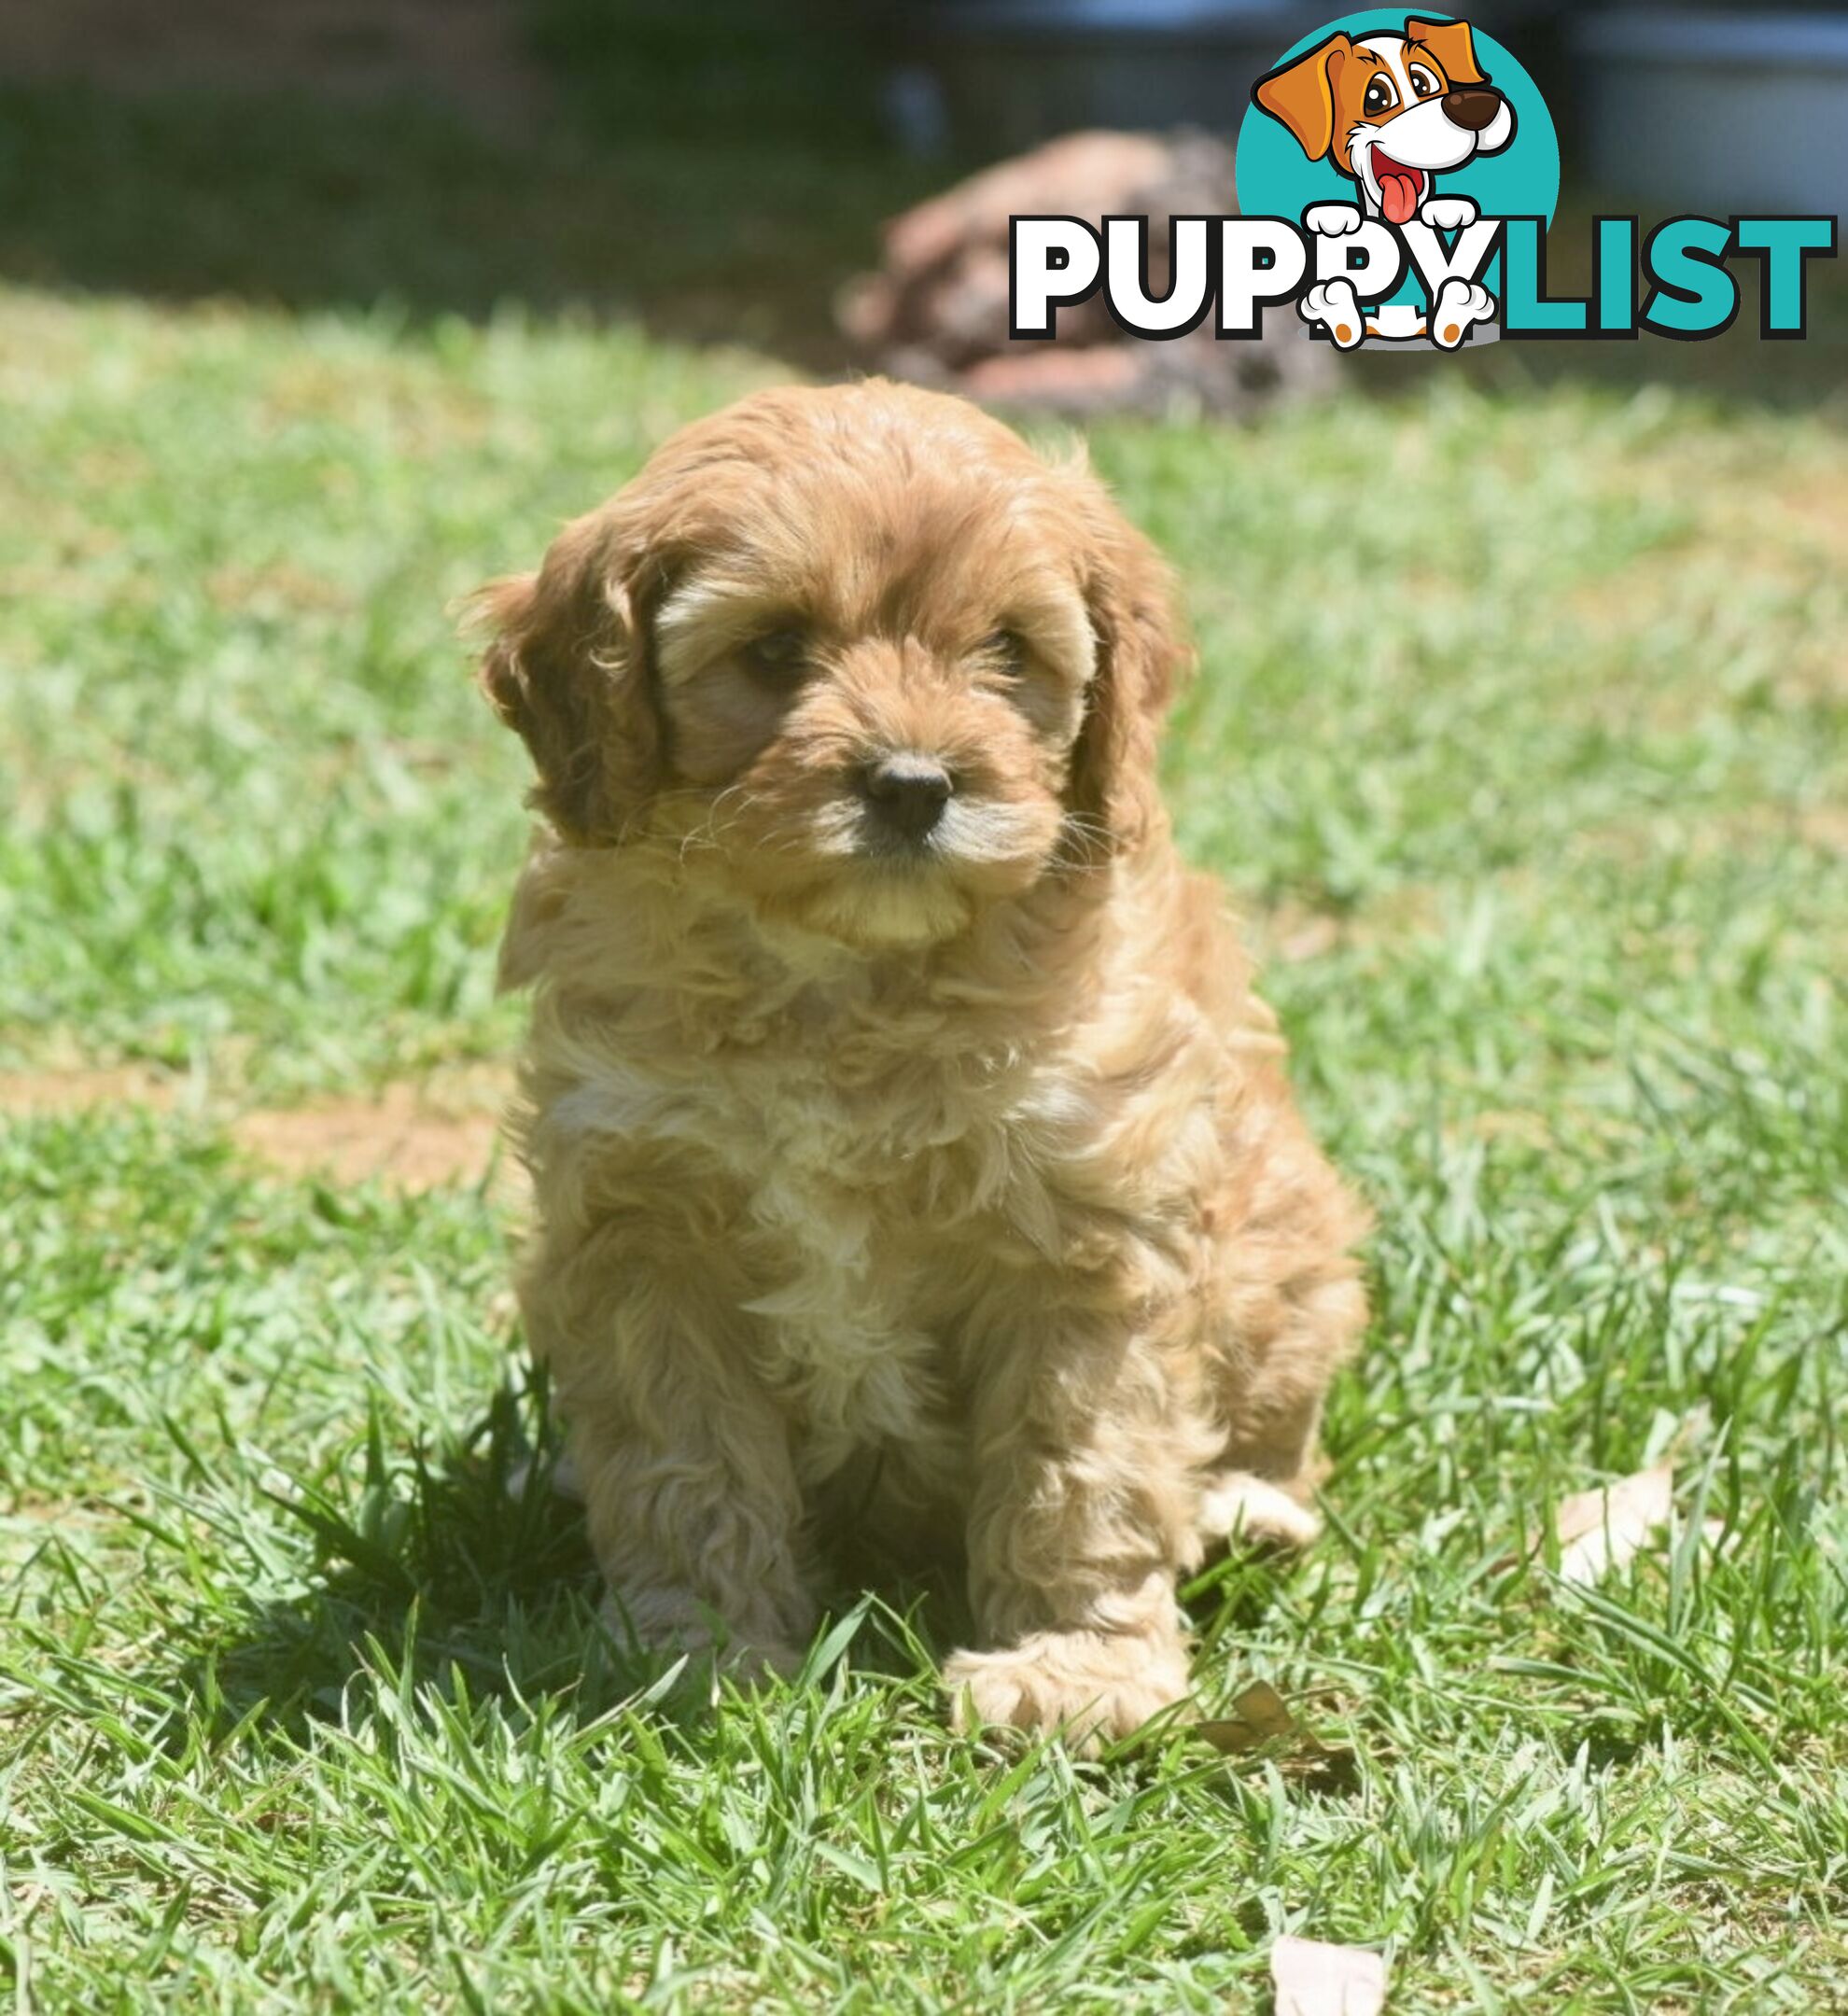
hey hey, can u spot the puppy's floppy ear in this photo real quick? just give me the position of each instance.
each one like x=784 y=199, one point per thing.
x=568 y=670
x=1451 y=44
x=1302 y=94
x=1141 y=657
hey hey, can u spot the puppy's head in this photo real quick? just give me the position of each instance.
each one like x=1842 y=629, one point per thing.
x=857 y=651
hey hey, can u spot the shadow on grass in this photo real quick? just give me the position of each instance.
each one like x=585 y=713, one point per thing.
x=477 y=1565
x=470 y=1579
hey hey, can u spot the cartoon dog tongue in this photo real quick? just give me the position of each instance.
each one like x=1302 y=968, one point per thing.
x=1398 y=188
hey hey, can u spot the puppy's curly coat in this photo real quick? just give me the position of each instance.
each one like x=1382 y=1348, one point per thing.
x=910 y=1151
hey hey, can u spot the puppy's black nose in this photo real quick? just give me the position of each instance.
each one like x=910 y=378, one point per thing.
x=1472 y=109
x=907 y=792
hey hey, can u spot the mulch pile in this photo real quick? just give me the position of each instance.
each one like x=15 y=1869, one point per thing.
x=936 y=312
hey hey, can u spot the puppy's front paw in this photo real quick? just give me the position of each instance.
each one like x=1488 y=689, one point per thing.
x=1332 y=219
x=1092 y=1687
x=1448 y=213
x=1238 y=1506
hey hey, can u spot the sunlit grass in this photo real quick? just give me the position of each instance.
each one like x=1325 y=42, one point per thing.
x=1522 y=731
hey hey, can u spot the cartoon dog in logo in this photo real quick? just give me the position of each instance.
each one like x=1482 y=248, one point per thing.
x=1391 y=112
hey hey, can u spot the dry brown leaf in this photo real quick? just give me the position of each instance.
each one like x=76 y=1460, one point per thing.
x=1264 y=1708
x=1259 y=1716
x=407 y=1135
x=1312 y=1978
x=1226 y=1733
x=1600 y=1530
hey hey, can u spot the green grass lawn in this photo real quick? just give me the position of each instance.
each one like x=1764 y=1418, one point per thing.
x=1521 y=734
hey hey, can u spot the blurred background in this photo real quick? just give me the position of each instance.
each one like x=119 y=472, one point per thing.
x=721 y=170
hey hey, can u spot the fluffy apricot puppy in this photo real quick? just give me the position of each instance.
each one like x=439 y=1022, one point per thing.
x=912 y=1158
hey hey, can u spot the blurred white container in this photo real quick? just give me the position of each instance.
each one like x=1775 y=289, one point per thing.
x=1717 y=112
x=1017 y=72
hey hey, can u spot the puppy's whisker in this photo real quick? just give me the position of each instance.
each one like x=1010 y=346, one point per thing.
x=638 y=816
x=1091 y=838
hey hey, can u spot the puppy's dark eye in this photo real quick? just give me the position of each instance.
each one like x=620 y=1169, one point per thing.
x=1007 y=651
x=1422 y=82
x=1380 y=97
x=780 y=658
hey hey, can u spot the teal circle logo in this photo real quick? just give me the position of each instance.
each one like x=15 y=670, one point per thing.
x=1390 y=113
x=1279 y=178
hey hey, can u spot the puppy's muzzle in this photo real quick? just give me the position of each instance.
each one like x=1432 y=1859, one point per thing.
x=1473 y=110
x=907 y=793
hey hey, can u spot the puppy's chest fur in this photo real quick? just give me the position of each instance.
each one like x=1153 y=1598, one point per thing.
x=872 y=1186
x=840 y=1209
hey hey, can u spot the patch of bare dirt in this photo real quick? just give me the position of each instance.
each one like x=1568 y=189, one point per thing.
x=1819 y=509
x=1293 y=933
x=416 y=1136
x=400 y=1137
x=29 y=1094
x=1826 y=829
